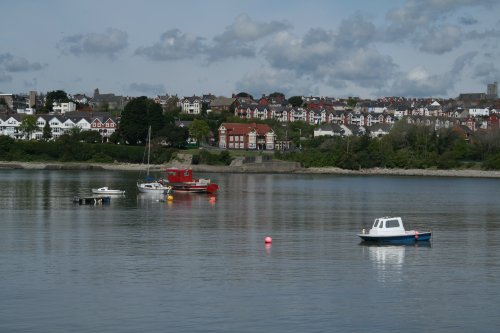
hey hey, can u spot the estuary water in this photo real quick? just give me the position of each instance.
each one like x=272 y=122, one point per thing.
x=200 y=265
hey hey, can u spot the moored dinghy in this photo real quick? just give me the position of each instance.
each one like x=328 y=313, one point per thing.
x=390 y=230
x=106 y=190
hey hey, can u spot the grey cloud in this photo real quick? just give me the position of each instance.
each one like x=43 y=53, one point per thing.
x=173 y=45
x=356 y=31
x=416 y=16
x=146 y=88
x=487 y=72
x=109 y=43
x=13 y=63
x=317 y=55
x=461 y=62
x=432 y=85
x=304 y=55
x=421 y=83
x=244 y=29
x=238 y=40
x=467 y=20
x=5 y=78
x=230 y=50
x=475 y=35
x=441 y=39
x=366 y=68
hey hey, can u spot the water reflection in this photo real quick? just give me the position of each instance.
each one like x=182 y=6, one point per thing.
x=388 y=262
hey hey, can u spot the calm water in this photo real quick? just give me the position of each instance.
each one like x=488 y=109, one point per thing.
x=140 y=265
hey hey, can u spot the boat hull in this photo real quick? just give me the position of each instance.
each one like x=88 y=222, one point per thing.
x=195 y=188
x=397 y=239
x=108 y=192
x=151 y=188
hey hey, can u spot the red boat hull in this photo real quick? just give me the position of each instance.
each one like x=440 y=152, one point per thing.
x=182 y=180
x=193 y=188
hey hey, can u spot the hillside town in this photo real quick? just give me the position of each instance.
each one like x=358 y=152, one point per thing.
x=468 y=113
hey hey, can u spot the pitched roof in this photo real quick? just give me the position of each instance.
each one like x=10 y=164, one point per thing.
x=242 y=128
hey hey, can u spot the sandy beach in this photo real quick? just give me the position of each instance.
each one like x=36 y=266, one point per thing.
x=284 y=167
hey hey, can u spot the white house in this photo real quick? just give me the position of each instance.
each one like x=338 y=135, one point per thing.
x=9 y=126
x=62 y=108
x=479 y=112
x=191 y=105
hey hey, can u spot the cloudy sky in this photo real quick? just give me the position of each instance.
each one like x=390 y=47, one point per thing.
x=413 y=48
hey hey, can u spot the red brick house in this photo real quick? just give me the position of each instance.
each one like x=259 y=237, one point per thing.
x=246 y=136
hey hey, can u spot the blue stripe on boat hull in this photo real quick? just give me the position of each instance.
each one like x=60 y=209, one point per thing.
x=405 y=239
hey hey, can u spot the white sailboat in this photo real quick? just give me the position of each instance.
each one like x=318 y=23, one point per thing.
x=150 y=185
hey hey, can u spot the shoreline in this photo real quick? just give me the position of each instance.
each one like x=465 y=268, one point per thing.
x=252 y=168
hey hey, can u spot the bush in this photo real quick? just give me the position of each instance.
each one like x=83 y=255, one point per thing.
x=492 y=162
x=101 y=158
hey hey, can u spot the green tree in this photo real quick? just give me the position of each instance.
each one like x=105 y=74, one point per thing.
x=55 y=96
x=75 y=132
x=295 y=101
x=174 y=136
x=277 y=95
x=47 y=132
x=28 y=125
x=351 y=102
x=90 y=136
x=138 y=115
x=199 y=129
x=244 y=94
x=115 y=137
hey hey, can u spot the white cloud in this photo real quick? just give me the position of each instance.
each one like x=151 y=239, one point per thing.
x=244 y=29
x=239 y=39
x=173 y=45
x=109 y=43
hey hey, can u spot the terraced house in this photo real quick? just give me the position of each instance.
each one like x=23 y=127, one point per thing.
x=246 y=136
x=60 y=124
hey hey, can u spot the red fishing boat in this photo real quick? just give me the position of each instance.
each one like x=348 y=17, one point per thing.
x=182 y=180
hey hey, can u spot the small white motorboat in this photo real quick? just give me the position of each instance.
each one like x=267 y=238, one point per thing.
x=390 y=230
x=152 y=187
x=106 y=190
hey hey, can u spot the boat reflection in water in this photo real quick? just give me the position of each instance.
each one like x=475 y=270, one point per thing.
x=388 y=260
x=177 y=199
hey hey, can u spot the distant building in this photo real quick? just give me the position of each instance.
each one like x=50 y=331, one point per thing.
x=492 y=90
x=246 y=136
x=191 y=105
x=104 y=102
x=472 y=97
x=63 y=108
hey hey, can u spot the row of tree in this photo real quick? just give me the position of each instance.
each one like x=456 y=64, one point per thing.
x=406 y=146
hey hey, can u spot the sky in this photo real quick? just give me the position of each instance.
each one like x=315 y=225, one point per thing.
x=363 y=48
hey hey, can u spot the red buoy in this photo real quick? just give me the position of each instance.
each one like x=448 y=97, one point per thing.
x=268 y=240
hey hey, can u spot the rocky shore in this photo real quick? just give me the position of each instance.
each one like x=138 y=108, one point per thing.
x=264 y=167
